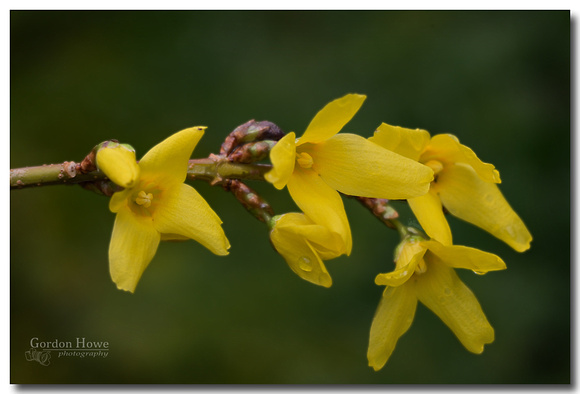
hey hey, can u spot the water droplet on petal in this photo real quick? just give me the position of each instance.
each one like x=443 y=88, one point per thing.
x=480 y=272
x=305 y=264
x=447 y=291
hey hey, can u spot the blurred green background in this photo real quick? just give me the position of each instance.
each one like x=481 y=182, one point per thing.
x=499 y=81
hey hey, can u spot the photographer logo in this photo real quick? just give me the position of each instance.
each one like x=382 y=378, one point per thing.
x=42 y=351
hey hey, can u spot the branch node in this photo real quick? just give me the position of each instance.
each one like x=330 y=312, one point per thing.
x=89 y=163
x=70 y=169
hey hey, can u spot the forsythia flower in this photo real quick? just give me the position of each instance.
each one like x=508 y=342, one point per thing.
x=425 y=272
x=304 y=244
x=463 y=184
x=322 y=162
x=156 y=205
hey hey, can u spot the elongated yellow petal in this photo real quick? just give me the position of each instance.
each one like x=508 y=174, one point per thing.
x=283 y=158
x=326 y=243
x=320 y=203
x=457 y=256
x=184 y=212
x=332 y=118
x=119 y=164
x=446 y=148
x=429 y=213
x=409 y=256
x=392 y=319
x=481 y=203
x=298 y=252
x=400 y=275
x=133 y=245
x=119 y=200
x=441 y=290
x=166 y=163
x=406 y=142
x=353 y=165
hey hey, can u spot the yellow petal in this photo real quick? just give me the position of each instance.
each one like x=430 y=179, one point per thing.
x=119 y=200
x=457 y=256
x=320 y=203
x=166 y=163
x=332 y=118
x=481 y=203
x=446 y=148
x=441 y=290
x=283 y=158
x=298 y=252
x=355 y=166
x=326 y=243
x=392 y=319
x=174 y=237
x=184 y=212
x=429 y=213
x=119 y=164
x=406 y=142
x=409 y=256
x=133 y=245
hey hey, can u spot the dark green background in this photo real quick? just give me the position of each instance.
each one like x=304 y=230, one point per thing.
x=499 y=81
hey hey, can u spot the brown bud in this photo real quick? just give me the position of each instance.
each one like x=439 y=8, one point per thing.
x=252 y=151
x=249 y=132
x=252 y=201
x=380 y=208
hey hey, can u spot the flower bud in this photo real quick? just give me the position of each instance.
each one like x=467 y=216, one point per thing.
x=118 y=162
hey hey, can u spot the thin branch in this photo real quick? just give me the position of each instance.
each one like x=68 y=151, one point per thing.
x=214 y=169
x=250 y=200
x=51 y=174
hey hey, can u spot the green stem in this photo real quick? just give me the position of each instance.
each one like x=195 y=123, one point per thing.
x=213 y=169
x=401 y=229
x=51 y=174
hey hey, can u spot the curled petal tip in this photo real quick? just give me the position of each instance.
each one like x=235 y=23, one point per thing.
x=126 y=288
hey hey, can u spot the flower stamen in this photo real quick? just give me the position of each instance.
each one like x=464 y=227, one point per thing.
x=144 y=199
x=304 y=160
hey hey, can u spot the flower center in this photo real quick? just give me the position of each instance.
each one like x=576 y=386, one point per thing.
x=304 y=160
x=144 y=199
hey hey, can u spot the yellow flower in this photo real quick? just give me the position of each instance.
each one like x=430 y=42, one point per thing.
x=321 y=162
x=463 y=184
x=304 y=244
x=156 y=205
x=425 y=272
